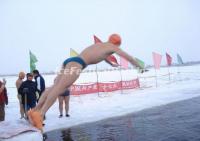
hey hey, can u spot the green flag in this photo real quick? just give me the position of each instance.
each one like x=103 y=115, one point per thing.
x=179 y=59
x=140 y=62
x=33 y=60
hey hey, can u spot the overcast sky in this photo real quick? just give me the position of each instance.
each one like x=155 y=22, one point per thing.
x=49 y=28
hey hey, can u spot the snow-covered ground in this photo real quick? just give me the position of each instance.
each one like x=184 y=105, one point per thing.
x=183 y=83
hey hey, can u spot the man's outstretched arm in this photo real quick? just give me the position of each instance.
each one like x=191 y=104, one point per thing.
x=129 y=58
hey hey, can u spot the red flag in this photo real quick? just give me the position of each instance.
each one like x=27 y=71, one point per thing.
x=157 y=60
x=169 y=59
x=110 y=59
x=123 y=62
x=97 y=40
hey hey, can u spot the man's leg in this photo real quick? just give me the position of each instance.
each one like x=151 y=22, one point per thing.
x=65 y=81
x=61 y=99
x=67 y=105
x=45 y=95
x=42 y=99
x=22 y=111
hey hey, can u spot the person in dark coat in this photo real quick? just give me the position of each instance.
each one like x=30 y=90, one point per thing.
x=40 y=82
x=28 y=92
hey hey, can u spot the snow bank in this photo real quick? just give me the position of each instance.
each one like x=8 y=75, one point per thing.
x=184 y=83
x=29 y=136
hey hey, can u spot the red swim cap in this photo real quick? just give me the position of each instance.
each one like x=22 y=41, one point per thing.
x=115 y=39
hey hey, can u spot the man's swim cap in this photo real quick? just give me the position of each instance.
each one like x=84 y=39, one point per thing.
x=115 y=39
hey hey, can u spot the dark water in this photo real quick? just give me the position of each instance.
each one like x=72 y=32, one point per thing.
x=173 y=122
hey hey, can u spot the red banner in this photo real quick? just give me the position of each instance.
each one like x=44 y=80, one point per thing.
x=103 y=87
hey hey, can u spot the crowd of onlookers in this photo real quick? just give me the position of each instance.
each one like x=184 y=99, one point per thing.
x=29 y=93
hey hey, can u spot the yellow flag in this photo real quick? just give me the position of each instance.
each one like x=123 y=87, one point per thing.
x=73 y=53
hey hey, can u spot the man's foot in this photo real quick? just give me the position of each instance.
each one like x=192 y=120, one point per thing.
x=67 y=115
x=60 y=115
x=29 y=116
x=22 y=117
x=36 y=119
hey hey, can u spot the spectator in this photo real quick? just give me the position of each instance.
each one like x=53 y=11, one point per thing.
x=40 y=82
x=3 y=99
x=28 y=92
x=18 y=84
x=64 y=98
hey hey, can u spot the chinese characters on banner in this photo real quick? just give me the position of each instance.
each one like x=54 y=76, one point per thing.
x=103 y=87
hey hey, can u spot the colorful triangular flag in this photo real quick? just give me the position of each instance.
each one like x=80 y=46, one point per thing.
x=169 y=59
x=73 y=53
x=123 y=62
x=157 y=60
x=179 y=59
x=141 y=63
x=33 y=60
x=97 y=40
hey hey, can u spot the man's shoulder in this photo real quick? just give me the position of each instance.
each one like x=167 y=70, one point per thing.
x=110 y=46
x=41 y=77
x=19 y=81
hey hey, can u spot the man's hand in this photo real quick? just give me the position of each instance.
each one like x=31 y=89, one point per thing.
x=37 y=95
x=140 y=70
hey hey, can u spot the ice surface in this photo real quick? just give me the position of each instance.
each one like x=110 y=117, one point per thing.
x=183 y=83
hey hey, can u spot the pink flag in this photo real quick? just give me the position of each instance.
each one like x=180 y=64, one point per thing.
x=123 y=62
x=157 y=60
x=110 y=59
x=169 y=59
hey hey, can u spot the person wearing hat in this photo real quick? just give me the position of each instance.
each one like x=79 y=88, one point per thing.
x=27 y=90
x=18 y=83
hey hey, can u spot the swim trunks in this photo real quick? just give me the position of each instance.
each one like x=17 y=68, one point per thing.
x=75 y=59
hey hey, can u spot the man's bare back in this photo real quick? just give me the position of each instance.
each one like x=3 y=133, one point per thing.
x=100 y=51
x=97 y=52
